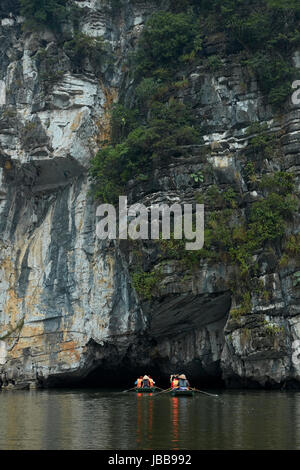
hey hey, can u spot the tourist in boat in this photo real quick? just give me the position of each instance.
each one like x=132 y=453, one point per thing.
x=151 y=381
x=184 y=384
x=174 y=381
x=139 y=382
x=146 y=381
x=172 y=377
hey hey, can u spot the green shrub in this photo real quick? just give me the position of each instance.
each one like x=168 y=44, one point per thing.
x=272 y=329
x=198 y=177
x=244 y=308
x=274 y=74
x=256 y=128
x=146 y=90
x=230 y=197
x=267 y=217
x=291 y=250
x=81 y=47
x=296 y=277
x=40 y=13
x=292 y=245
x=146 y=283
x=280 y=182
x=166 y=38
x=214 y=62
x=123 y=121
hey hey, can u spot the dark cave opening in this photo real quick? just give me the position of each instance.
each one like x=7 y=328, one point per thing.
x=124 y=377
x=112 y=366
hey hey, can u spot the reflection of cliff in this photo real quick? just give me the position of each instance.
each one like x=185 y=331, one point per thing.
x=67 y=306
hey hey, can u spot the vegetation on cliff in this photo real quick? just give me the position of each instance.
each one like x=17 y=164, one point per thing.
x=262 y=32
x=157 y=125
x=160 y=136
x=41 y=13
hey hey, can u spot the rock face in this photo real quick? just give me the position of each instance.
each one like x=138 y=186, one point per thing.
x=67 y=305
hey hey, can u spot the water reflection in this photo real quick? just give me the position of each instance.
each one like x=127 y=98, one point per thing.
x=93 y=419
x=175 y=423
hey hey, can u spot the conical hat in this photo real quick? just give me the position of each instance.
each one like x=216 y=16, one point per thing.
x=182 y=376
x=146 y=377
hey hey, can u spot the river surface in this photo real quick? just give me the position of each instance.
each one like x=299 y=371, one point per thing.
x=108 y=419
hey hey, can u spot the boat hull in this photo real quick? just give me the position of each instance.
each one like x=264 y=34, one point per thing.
x=180 y=393
x=145 y=390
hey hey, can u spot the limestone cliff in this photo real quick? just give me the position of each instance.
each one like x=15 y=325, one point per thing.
x=68 y=308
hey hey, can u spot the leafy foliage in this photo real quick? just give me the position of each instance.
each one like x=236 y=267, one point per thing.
x=296 y=277
x=39 y=13
x=123 y=121
x=198 y=177
x=169 y=127
x=165 y=40
x=231 y=238
x=275 y=76
x=145 y=283
x=81 y=47
x=264 y=30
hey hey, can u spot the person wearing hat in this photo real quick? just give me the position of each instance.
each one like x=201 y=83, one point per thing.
x=146 y=381
x=184 y=384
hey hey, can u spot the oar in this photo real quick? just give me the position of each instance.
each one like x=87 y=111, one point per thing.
x=164 y=391
x=129 y=389
x=205 y=393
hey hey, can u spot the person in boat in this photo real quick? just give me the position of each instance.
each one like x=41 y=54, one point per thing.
x=146 y=381
x=183 y=383
x=139 y=382
x=151 y=381
x=174 y=381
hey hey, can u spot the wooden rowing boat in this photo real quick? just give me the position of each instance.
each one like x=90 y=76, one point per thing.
x=180 y=393
x=145 y=390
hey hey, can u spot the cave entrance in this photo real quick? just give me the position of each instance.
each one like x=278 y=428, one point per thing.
x=124 y=377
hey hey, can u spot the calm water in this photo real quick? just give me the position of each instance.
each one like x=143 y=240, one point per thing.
x=97 y=419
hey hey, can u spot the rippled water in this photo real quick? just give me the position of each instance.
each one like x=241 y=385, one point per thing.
x=108 y=419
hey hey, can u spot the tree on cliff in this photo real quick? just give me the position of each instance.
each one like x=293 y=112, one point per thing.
x=44 y=12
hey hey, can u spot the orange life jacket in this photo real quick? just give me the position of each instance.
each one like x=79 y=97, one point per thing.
x=151 y=382
x=175 y=383
x=139 y=383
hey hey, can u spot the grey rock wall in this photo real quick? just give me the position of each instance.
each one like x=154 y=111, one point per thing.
x=67 y=305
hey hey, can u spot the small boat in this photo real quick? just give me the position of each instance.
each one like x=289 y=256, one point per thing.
x=145 y=390
x=178 y=392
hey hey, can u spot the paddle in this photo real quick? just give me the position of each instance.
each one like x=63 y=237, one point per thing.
x=205 y=393
x=164 y=391
x=129 y=389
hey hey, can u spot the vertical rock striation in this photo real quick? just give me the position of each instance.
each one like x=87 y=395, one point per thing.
x=67 y=305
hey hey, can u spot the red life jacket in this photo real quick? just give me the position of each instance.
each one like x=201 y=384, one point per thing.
x=139 y=383
x=175 y=383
